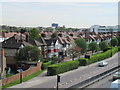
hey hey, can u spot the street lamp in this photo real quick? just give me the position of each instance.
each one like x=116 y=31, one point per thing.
x=58 y=80
x=21 y=32
x=111 y=30
x=20 y=67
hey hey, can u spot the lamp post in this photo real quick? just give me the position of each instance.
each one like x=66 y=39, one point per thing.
x=58 y=80
x=111 y=30
x=20 y=68
x=21 y=32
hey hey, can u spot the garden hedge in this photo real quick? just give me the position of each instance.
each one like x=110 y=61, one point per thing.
x=98 y=57
x=45 y=65
x=62 y=67
x=70 y=65
x=83 y=61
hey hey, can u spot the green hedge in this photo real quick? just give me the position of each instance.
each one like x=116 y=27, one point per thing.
x=70 y=65
x=118 y=48
x=98 y=57
x=102 y=56
x=62 y=67
x=83 y=61
x=45 y=65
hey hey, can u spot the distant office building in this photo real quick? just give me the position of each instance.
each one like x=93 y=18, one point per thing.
x=54 y=25
x=104 y=29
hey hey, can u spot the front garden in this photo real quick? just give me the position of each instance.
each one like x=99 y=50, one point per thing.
x=70 y=65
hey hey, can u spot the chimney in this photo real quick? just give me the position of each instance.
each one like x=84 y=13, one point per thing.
x=43 y=35
x=3 y=64
x=27 y=37
x=3 y=34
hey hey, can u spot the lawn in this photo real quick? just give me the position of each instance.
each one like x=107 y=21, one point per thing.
x=23 y=80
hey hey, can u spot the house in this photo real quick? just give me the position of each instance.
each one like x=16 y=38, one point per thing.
x=53 y=47
x=11 y=47
x=4 y=35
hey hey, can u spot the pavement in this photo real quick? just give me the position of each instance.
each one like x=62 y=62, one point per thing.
x=68 y=78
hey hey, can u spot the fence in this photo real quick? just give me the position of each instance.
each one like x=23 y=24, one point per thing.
x=24 y=74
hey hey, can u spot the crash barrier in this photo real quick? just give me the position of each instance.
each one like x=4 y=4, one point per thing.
x=96 y=78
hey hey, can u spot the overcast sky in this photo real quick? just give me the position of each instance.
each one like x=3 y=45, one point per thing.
x=70 y=14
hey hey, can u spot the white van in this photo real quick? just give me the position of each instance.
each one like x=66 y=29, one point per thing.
x=115 y=84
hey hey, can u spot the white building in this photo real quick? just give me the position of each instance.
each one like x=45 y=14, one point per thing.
x=104 y=29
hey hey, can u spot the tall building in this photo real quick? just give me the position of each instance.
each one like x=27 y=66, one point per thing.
x=54 y=25
x=104 y=29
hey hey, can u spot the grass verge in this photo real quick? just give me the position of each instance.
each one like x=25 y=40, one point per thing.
x=23 y=80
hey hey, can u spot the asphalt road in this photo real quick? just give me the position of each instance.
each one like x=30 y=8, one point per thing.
x=104 y=83
x=73 y=77
x=70 y=78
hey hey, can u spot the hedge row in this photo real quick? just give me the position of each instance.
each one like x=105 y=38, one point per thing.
x=102 y=56
x=45 y=65
x=62 y=67
x=98 y=57
x=70 y=65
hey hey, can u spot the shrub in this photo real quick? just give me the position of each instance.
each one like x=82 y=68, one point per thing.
x=83 y=61
x=98 y=57
x=45 y=65
x=62 y=67
x=118 y=38
x=118 y=48
x=101 y=56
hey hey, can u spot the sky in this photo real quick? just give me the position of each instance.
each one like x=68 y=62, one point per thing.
x=71 y=14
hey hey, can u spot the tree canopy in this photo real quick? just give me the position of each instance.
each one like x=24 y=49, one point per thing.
x=28 y=53
x=82 y=44
x=34 y=33
x=114 y=42
x=118 y=38
x=54 y=35
x=93 y=46
x=103 y=45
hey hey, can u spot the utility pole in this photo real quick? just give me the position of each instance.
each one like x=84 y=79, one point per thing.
x=58 y=80
x=111 y=30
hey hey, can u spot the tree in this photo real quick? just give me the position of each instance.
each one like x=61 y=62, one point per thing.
x=103 y=45
x=74 y=51
x=93 y=46
x=114 y=42
x=34 y=33
x=28 y=53
x=82 y=44
x=118 y=38
x=54 y=35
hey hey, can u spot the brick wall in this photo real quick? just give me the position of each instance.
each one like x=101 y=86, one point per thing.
x=0 y=82
x=24 y=73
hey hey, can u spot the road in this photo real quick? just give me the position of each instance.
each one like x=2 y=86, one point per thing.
x=79 y=74
x=70 y=78
x=104 y=83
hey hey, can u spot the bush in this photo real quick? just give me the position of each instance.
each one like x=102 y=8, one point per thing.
x=98 y=57
x=118 y=48
x=101 y=56
x=83 y=61
x=46 y=64
x=62 y=67
x=114 y=42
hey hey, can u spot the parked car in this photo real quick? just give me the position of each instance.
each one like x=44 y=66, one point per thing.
x=103 y=63
x=115 y=85
x=116 y=76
